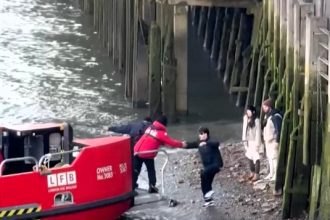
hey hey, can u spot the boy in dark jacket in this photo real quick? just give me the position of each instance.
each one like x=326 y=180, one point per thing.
x=211 y=160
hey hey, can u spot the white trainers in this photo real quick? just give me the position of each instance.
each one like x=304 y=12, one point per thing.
x=209 y=195
x=209 y=203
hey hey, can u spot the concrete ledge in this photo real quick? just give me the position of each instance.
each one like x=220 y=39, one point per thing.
x=221 y=3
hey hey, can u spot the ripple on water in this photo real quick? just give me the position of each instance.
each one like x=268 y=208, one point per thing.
x=52 y=69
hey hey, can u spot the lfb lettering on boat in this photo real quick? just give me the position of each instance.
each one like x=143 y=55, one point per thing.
x=103 y=173
x=62 y=179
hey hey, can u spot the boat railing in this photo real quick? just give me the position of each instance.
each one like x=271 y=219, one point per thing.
x=163 y=167
x=45 y=159
x=2 y=164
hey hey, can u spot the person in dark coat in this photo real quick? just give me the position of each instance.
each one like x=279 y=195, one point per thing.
x=134 y=129
x=211 y=160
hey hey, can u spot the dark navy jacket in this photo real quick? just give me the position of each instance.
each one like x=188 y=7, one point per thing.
x=135 y=129
x=209 y=153
x=276 y=118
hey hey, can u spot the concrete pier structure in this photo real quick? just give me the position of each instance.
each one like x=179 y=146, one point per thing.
x=257 y=50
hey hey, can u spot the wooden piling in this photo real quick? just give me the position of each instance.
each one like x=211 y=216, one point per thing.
x=311 y=60
x=228 y=65
x=276 y=42
x=243 y=84
x=154 y=71
x=121 y=36
x=260 y=79
x=286 y=127
x=88 y=6
x=110 y=27
x=202 y=22
x=169 y=69
x=289 y=49
x=295 y=199
x=129 y=48
x=209 y=33
x=235 y=75
x=224 y=41
x=252 y=77
x=105 y=23
x=323 y=210
x=288 y=190
x=282 y=45
x=196 y=10
x=96 y=15
x=217 y=33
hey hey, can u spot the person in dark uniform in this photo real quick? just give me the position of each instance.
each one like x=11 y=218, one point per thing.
x=134 y=129
x=211 y=160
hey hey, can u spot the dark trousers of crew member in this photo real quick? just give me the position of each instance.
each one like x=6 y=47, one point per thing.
x=207 y=176
x=150 y=164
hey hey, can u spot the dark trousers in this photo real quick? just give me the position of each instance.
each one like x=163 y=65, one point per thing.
x=254 y=167
x=150 y=164
x=207 y=176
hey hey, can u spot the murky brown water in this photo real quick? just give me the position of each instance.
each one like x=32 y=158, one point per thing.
x=53 y=68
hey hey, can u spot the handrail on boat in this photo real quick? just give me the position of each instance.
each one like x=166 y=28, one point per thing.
x=163 y=167
x=17 y=159
x=45 y=159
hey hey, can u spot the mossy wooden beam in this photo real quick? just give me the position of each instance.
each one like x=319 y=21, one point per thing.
x=217 y=33
x=169 y=69
x=230 y=53
x=129 y=48
x=210 y=26
x=154 y=70
x=202 y=22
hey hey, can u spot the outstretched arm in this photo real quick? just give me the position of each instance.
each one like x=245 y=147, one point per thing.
x=167 y=140
x=122 y=129
x=191 y=145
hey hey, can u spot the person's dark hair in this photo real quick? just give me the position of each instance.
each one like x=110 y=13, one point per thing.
x=253 y=110
x=148 y=119
x=203 y=130
x=163 y=120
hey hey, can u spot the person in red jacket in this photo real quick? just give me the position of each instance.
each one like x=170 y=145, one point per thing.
x=154 y=136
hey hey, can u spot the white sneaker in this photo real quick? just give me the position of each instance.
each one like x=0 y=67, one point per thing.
x=208 y=204
x=209 y=194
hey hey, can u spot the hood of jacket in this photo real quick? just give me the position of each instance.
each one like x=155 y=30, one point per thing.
x=158 y=126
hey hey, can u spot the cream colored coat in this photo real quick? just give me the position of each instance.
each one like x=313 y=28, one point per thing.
x=269 y=135
x=252 y=138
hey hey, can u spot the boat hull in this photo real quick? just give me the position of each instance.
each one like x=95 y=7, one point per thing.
x=96 y=185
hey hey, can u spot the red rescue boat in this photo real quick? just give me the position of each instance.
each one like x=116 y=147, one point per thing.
x=47 y=175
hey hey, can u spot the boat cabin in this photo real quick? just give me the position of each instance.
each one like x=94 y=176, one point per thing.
x=35 y=141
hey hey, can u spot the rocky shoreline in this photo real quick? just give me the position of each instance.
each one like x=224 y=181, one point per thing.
x=235 y=198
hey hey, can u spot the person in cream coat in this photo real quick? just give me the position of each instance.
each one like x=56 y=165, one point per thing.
x=271 y=135
x=251 y=137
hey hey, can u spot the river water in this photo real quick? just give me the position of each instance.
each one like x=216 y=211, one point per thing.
x=52 y=68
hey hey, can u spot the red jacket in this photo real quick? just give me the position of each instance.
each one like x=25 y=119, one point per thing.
x=153 y=138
